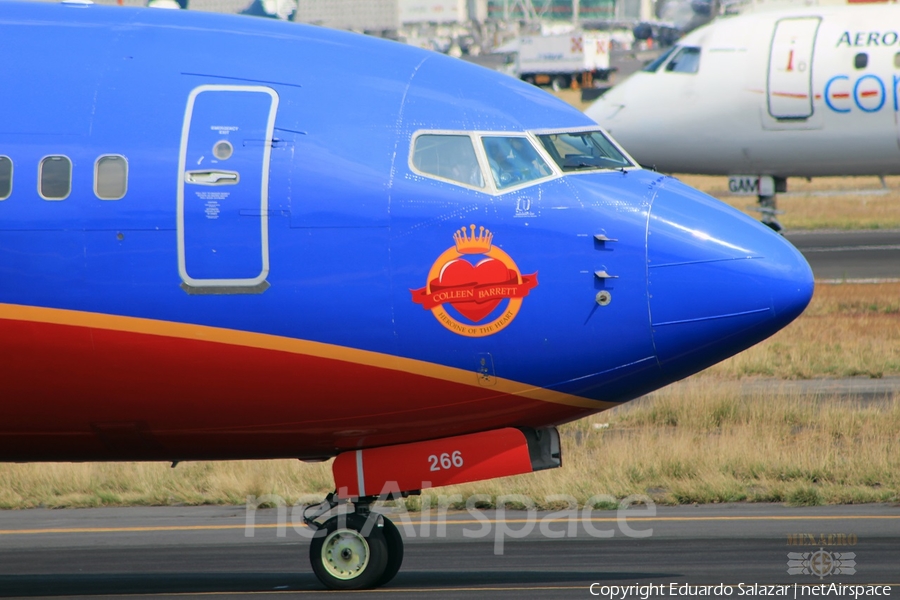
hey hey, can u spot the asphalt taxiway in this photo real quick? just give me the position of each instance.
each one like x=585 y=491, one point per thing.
x=213 y=552
x=868 y=256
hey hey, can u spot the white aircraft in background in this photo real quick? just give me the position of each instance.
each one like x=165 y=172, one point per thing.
x=760 y=97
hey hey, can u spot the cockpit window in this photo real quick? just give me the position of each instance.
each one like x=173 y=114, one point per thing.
x=514 y=161
x=583 y=151
x=687 y=60
x=654 y=66
x=448 y=157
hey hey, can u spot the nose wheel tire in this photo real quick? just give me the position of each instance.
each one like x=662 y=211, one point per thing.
x=394 y=552
x=351 y=555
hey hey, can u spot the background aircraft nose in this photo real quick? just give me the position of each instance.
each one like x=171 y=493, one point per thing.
x=718 y=281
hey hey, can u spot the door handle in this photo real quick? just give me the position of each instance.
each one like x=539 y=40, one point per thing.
x=212 y=177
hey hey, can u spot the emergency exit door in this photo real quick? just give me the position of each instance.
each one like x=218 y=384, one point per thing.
x=789 y=89
x=223 y=189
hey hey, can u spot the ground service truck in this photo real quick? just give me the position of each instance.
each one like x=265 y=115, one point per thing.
x=559 y=60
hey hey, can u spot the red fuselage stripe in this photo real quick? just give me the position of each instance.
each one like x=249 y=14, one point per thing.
x=121 y=388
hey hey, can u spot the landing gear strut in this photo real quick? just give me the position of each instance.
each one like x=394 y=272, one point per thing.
x=766 y=206
x=766 y=203
x=354 y=550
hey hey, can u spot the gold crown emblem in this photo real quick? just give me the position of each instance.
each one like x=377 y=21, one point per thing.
x=472 y=244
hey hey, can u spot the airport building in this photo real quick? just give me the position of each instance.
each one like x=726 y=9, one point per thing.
x=563 y=10
x=455 y=27
x=392 y=14
x=389 y=14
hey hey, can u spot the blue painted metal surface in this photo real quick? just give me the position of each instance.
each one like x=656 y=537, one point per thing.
x=350 y=228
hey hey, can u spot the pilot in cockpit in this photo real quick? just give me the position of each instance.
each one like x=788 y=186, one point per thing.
x=527 y=160
x=500 y=157
x=513 y=160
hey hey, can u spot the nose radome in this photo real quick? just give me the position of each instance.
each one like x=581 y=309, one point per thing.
x=718 y=280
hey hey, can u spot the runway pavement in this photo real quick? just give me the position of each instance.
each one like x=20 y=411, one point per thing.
x=852 y=256
x=209 y=552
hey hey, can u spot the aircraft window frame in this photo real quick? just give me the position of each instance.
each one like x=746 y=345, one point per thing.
x=632 y=164
x=483 y=163
x=97 y=177
x=654 y=65
x=3 y=158
x=435 y=176
x=41 y=183
x=496 y=174
x=691 y=67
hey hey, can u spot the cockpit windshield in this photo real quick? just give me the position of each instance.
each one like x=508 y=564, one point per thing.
x=497 y=161
x=654 y=66
x=583 y=151
x=449 y=157
x=686 y=61
x=513 y=161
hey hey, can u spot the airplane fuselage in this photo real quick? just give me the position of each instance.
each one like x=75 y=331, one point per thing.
x=212 y=247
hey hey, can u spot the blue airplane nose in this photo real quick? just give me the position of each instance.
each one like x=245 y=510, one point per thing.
x=718 y=281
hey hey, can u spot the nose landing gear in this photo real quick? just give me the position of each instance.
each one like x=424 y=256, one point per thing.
x=351 y=555
x=766 y=205
x=356 y=550
x=766 y=200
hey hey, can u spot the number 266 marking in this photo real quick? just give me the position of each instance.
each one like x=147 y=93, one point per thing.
x=445 y=461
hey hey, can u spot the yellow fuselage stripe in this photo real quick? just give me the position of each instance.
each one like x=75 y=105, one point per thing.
x=56 y=316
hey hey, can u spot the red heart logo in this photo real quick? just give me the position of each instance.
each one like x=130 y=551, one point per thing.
x=461 y=272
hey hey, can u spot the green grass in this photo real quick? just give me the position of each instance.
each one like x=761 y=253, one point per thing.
x=699 y=441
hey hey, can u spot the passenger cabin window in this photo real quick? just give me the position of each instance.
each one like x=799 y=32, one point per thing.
x=6 y=171
x=583 y=151
x=55 y=178
x=861 y=60
x=687 y=60
x=514 y=161
x=654 y=66
x=897 y=60
x=449 y=157
x=111 y=177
